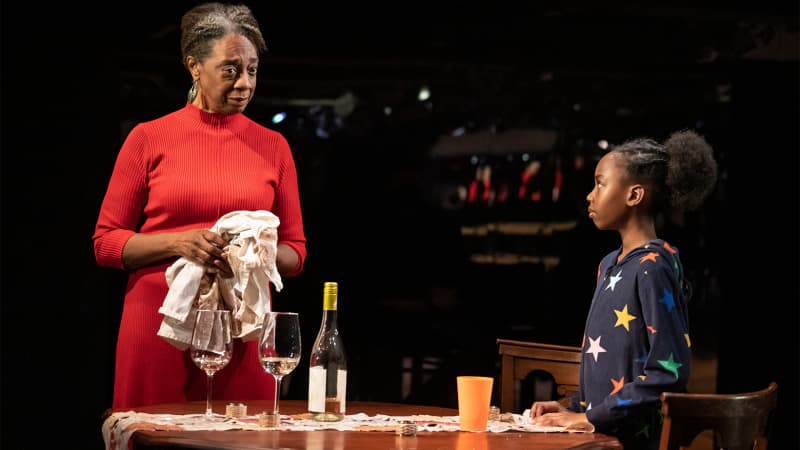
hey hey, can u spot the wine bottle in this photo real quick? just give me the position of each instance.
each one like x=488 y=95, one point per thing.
x=327 y=372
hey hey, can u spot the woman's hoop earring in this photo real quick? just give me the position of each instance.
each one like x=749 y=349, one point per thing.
x=192 y=92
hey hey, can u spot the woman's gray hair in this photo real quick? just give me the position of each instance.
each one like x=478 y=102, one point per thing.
x=205 y=24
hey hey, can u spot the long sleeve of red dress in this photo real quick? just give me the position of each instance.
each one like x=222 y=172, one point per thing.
x=186 y=170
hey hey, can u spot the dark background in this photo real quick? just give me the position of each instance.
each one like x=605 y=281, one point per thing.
x=379 y=212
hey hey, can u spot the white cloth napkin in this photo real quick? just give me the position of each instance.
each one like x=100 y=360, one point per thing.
x=252 y=248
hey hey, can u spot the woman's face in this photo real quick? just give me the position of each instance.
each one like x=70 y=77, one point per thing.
x=608 y=207
x=227 y=78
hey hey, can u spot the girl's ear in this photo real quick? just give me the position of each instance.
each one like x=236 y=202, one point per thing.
x=636 y=195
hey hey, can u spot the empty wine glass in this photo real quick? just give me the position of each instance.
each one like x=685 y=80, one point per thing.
x=212 y=345
x=279 y=347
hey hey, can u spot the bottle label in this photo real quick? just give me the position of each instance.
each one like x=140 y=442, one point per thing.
x=341 y=389
x=319 y=396
x=316 y=389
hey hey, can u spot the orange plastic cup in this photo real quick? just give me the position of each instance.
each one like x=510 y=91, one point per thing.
x=472 y=441
x=474 y=398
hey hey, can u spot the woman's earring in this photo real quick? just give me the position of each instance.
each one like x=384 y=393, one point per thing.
x=192 y=92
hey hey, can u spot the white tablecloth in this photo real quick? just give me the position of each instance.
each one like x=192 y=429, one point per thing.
x=119 y=426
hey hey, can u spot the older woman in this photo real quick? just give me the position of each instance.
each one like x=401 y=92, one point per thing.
x=174 y=177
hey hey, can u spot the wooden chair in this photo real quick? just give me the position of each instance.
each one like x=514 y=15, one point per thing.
x=520 y=358
x=739 y=421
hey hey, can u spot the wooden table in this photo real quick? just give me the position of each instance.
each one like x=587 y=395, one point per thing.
x=353 y=440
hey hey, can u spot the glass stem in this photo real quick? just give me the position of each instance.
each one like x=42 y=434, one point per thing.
x=209 y=383
x=277 y=393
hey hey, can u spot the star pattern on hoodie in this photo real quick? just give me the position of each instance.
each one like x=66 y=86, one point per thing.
x=670 y=364
x=617 y=385
x=623 y=318
x=595 y=348
x=614 y=279
x=651 y=307
x=668 y=300
x=649 y=257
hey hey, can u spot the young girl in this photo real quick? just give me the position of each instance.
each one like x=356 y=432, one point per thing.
x=636 y=340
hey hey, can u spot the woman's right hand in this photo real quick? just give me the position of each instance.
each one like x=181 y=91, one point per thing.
x=199 y=245
x=203 y=247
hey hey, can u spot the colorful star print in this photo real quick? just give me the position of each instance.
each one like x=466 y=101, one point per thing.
x=668 y=300
x=595 y=348
x=670 y=364
x=617 y=385
x=612 y=281
x=648 y=357
x=623 y=318
x=649 y=257
x=623 y=402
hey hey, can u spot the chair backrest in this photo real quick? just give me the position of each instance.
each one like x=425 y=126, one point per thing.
x=520 y=358
x=739 y=421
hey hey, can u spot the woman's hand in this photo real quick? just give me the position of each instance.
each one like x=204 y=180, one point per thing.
x=200 y=245
x=203 y=247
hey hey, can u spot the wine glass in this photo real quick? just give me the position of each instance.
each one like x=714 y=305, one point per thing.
x=212 y=345
x=279 y=347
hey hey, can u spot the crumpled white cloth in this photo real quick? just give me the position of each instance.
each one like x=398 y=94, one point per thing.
x=252 y=246
x=118 y=428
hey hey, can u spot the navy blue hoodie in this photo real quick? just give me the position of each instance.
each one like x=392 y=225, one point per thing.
x=636 y=343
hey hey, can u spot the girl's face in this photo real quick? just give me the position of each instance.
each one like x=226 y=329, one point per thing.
x=227 y=78
x=608 y=207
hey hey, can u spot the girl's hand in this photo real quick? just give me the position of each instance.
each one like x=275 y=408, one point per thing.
x=540 y=408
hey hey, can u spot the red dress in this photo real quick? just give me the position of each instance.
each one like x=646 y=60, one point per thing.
x=185 y=170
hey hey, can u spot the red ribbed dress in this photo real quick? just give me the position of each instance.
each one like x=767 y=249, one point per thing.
x=185 y=170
